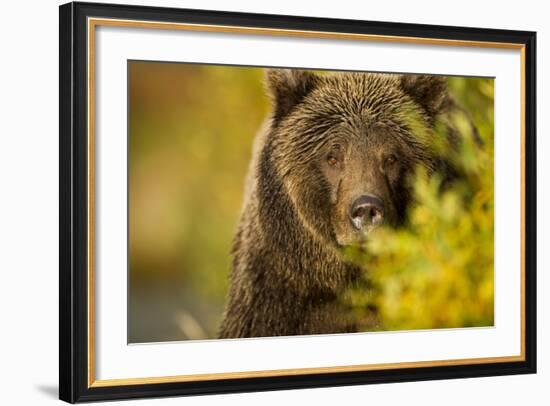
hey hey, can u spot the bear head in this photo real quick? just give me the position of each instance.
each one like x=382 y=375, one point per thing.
x=345 y=144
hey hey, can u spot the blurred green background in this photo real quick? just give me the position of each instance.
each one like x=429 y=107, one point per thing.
x=191 y=129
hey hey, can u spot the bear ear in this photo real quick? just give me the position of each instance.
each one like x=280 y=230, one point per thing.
x=288 y=87
x=428 y=91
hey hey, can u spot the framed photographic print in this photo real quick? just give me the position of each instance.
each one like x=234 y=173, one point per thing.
x=256 y=202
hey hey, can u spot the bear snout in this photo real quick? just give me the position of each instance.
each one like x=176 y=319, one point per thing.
x=366 y=211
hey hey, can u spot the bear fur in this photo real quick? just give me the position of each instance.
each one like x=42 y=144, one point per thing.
x=330 y=138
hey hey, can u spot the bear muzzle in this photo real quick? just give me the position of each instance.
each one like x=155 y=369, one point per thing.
x=366 y=212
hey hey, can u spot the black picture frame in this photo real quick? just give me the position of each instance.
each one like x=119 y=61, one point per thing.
x=73 y=255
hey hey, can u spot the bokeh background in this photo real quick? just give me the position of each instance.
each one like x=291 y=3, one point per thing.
x=191 y=129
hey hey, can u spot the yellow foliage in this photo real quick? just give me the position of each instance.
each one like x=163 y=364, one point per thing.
x=437 y=271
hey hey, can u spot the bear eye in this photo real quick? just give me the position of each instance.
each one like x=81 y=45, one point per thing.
x=391 y=159
x=332 y=160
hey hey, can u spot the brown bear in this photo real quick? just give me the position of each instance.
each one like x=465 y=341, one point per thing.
x=329 y=166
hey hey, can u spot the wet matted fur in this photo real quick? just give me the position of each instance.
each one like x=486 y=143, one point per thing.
x=330 y=138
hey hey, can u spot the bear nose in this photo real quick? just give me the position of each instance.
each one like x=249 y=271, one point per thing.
x=366 y=210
